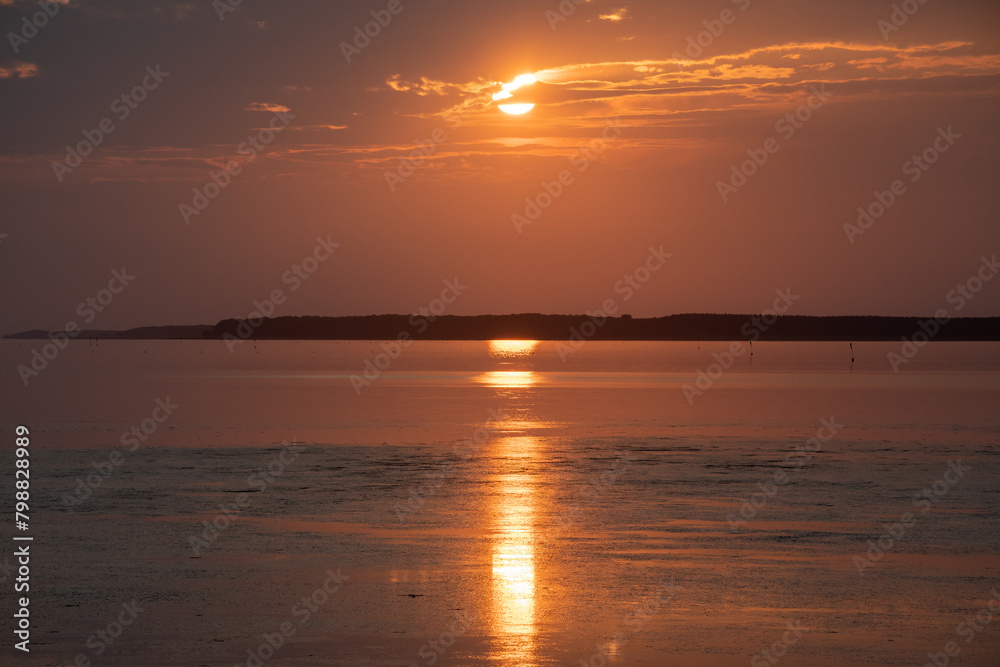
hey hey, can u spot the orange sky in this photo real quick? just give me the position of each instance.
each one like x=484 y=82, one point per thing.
x=632 y=143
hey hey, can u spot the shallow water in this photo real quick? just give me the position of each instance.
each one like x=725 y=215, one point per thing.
x=553 y=537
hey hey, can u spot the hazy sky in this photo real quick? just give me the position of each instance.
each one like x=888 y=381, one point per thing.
x=674 y=116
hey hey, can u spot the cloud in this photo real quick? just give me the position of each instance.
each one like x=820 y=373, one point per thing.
x=668 y=103
x=427 y=86
x=315 y=128
x=670 y=92
x=615 y=16
x=18 y=70
x=267 y=106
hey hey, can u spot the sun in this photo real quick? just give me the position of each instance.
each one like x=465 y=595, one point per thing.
x=515 y=108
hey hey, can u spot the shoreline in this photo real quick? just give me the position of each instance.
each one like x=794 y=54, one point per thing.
x=746 y=328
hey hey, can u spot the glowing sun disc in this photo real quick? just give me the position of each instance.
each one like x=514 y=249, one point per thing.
x=516 y=109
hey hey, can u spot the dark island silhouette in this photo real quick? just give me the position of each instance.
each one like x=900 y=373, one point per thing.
x=534 y=326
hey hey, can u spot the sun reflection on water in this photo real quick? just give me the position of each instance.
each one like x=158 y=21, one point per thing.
x=514 y=556
x=513 y=507
x=512 y=348
x=508 y=379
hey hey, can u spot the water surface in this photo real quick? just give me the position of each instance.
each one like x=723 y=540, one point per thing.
x=517 y=509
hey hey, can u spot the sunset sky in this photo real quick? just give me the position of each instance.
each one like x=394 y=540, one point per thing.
x=675 y=124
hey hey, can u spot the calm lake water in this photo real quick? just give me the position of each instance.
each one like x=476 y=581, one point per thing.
x=488 y=503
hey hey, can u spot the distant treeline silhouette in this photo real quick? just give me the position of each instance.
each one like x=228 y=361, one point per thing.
x=533 y=326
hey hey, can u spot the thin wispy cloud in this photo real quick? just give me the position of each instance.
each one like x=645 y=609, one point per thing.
x=267 y=106
x=19 y=70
